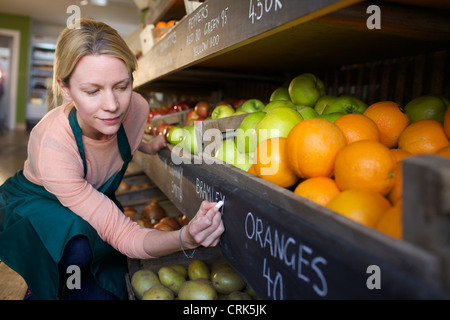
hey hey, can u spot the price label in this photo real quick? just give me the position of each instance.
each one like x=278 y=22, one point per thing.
x=262 y=9
x=298 y=260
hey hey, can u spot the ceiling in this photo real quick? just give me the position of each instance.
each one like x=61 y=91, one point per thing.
x=122 y=15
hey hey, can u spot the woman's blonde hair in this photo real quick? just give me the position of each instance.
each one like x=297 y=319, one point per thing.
x=91 y=38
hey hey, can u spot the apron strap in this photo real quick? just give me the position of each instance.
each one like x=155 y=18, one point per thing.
x=78 y=136
x=124 y=145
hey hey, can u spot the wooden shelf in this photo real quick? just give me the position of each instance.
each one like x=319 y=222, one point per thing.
x=287 y=247
x=284 y=246
x=317 y=35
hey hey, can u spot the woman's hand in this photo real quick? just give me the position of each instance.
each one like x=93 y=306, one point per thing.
x=154 y=145
x=205 y=228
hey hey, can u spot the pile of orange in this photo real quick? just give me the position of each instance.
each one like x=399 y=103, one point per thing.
x=164 y=24
x=354 y=165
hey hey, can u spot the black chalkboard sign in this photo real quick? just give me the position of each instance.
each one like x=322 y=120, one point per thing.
x=217 y=25
x=278 y=252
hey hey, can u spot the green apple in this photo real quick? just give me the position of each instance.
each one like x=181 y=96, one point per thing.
x=176 y=135
x=252 y=105
x=222 y=111
x=323 y=102
x=331 y=116
x=280 y=93
x=306 y=89
x=245 y=137
x=239 y=111
x=190 y=140
x=346 y=104
x=243 y=161
x=429 y=106
x=307 y=112
x=278 y=104
x=227 y=151
x=277 y=123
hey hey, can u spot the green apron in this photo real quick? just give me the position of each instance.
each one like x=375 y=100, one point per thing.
x=35 y=228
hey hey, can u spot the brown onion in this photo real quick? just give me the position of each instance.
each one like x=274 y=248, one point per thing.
x=171 y=222
x=130 y=212
x=123 y=187
x=153 y=212
x=183 y=220
x=163 y=227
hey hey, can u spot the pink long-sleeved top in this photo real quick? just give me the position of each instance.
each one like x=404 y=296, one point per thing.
x=55 y=163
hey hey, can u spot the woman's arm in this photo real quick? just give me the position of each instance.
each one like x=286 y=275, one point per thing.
x=204 y=229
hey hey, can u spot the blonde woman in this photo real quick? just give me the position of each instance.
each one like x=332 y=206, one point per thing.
x=60 y=210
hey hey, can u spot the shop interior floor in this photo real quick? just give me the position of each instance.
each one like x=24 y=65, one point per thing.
x=13 y=151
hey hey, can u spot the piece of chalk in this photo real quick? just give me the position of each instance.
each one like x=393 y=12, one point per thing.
x=219 y=204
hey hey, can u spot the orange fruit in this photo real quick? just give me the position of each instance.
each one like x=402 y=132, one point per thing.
x=161 y=24
x=356 y=126
x=447 y=122
x=397 y=189
x=252 y=170
x=365 y=164
x=271 y=165
x=171 y=23
x=361 y=205
x=400 y=154
x=390 y=120
x=445 y=152
x=423 y=136
x=391 y=222
x=318 y=189
x=312 y=146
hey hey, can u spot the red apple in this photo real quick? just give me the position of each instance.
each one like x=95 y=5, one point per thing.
x=166 y=130
x=161 y=110
x=148 y=126
x=172 y=109
x=182 y=106
x=161 y=127
x=192 y=115
x=148 y=129
x=223 y=102
x=203 y=108
x=236 y=103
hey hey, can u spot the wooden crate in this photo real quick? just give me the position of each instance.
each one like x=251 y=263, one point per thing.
x=141 y=197
x=207 y=133
x=211 y=256
x=176 y=118
x=325 y=255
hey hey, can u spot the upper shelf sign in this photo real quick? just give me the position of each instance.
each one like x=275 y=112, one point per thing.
x=223 y=25
x=204 y=30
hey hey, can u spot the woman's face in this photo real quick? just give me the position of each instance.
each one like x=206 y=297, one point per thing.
x=101 y=87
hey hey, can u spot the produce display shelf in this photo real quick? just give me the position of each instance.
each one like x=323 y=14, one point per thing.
x=211 y=256
x=138 y=199
x=267 y=39
x=287 y=247
x=211 y=29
